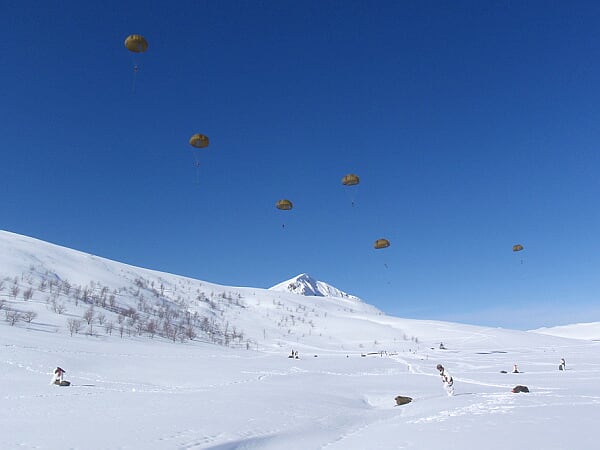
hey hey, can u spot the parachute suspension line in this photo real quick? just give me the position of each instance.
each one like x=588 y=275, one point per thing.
x=134 y=71
x=134 y=79
x=197 y=174
x=197 y=166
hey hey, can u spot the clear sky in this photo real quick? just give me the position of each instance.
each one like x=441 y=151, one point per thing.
x=473 y=126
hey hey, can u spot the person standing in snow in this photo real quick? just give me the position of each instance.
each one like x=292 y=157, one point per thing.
x=57 y=376
x=562 y=365
x=446 y=379
x=515 y=369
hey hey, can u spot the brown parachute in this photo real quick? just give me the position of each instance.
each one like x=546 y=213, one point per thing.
x=284 y=205
x=136 y=43
x=199 y=141
x=517 y=248
x=350 y=180
x=381 y=243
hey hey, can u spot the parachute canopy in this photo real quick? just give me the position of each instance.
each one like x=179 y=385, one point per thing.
x=517 y=248
x=381 y=243
x=199 y=141
x=136 y=43
x=350 y=180
x=284 y=204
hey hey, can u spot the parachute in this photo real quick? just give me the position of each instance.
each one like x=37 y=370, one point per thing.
x=350 y=180
x=381 y=243
x=199 y=141
x=284 y=205
x=517 y=248
x=136 y=43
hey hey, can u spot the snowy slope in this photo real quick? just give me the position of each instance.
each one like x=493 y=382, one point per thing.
x=70 y=283
x=589 y=331
x=232 y=386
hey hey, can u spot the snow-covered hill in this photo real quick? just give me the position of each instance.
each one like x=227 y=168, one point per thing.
x=589 y=331
x=64 y=285
x=106 y=297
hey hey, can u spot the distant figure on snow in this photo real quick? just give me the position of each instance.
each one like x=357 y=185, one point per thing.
x=515 y=369
x=562 y=365
x=442 y=346
x=446 y=379
x=57 y=377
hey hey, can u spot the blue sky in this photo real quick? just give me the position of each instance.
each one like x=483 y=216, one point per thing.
x=472 y=125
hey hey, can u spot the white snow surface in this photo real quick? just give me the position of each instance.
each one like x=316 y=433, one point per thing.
x=137 y=392
x=590 y=331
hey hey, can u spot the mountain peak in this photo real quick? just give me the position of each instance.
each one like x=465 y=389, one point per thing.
x=304 y=284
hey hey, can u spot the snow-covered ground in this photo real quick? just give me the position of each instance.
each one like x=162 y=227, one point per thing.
x=133 y=391
x=130 y=394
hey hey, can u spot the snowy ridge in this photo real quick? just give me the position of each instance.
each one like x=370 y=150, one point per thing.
x=304 y=284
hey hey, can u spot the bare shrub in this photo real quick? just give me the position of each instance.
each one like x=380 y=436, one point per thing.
x=75 y=325
x=12 y=317
x=27 y=294
x=89 y=315
x=28 y=316
x=14 y=290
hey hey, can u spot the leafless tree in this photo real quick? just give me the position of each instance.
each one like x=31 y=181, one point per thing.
x=14 y=290
x=27 y=294
x=89 y=315
x=189 y=332
x=66 y=287
x=151 y=328
x=12 y=317
x=75 y=325
x=58 y=308
x=108 y=327
x=28 y=316
x=140 y=326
